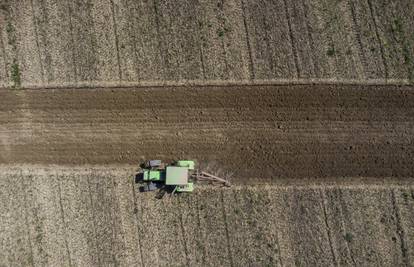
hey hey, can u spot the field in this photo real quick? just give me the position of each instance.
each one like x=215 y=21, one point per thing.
x=95 y=216
x=100 y=43
x=307 y=106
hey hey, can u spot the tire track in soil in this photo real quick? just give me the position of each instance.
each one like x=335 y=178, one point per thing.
x=62 y=214
x=226 y=227
x=94 y=220
x=200 y=233
x=183 y=234
x=27 y=220
x=400 y=230
x=72 y=39
x=36 y=32
x=150 y=238
x=276 y=231
x=114 y=229
x=4 y=80
x=172 y=231
x=136 y=211
x=328 y=228
x=42 y=17
x=36 y=223
x=357 y=31
x=160 y=40
x=11 y=38
x=314 y=69
x=292 y=40
x=342 y=209
x=220 y=16
x=381 y=45
x=116 y=40
x=105 y=232
x=266 y=246
x=249 y=48
x=236 y=228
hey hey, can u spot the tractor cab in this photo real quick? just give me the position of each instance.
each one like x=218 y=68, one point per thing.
x=178 y=176
x=175 y=177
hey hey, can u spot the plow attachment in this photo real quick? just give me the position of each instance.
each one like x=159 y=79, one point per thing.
x=204 y=176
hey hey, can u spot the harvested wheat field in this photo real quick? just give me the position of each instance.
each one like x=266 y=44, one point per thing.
x=95 y=216
x=56 y=42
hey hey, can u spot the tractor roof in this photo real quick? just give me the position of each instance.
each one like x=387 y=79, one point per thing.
x=176 y=175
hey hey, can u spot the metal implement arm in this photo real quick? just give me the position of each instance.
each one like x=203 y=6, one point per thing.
x=204 y=176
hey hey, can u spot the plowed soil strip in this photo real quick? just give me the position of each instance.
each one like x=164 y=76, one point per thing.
x=258 y=132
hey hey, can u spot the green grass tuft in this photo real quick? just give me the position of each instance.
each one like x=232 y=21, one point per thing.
x=348 y=237
x=331 y=51
x=15 y=75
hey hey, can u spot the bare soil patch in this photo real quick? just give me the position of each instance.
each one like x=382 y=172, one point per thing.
x=258 y=132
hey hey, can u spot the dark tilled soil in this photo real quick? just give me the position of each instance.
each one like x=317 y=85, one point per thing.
x=264 y=132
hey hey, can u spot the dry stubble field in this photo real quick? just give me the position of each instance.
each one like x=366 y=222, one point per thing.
x=78 y=43
x=95 y=216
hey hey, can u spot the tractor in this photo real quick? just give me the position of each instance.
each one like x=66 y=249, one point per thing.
x=177 y=177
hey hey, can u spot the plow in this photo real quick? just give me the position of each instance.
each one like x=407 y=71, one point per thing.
x=178 y=177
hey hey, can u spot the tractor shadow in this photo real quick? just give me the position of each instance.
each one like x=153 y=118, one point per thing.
x=139 y=176
x=160 y=188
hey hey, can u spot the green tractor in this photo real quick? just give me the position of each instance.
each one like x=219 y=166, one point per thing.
x=178 y=177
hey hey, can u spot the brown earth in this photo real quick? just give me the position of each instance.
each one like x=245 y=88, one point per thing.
x=256 y=132
x=95 y=216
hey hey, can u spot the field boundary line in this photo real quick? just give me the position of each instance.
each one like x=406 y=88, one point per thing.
x=209 y=83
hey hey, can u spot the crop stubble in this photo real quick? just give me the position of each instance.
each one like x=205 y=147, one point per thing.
x=54 y=42
x=114 y=223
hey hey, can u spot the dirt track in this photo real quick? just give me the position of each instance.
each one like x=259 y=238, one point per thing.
x=265 y=132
